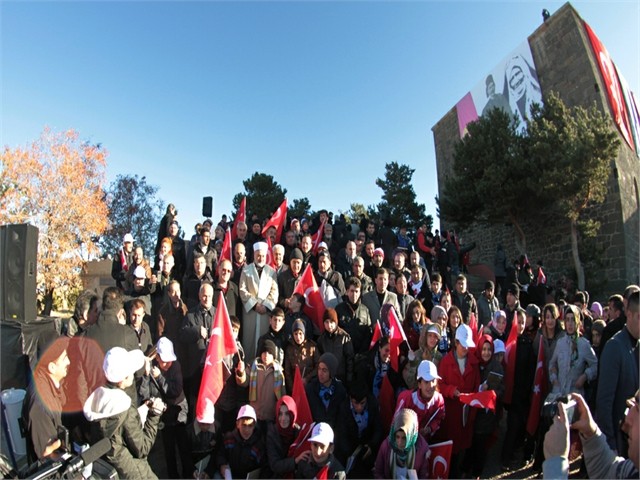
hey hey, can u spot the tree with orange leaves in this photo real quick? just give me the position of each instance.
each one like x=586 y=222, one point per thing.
x=56 y=183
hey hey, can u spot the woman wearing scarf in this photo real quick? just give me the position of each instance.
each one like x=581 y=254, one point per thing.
x=403 y=450
x=280 y=436
x=497 y=327
x=486 y=421
x=573 y=361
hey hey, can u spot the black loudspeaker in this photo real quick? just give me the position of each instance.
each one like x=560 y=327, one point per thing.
x=19 y=256
x=207 y=206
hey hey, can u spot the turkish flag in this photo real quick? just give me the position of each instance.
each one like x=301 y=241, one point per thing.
x=485 y=399
x=476 y=329
x=542 y=278
x=277 y=220
x=225 y=254
x=317 y=238
x=510 y=359
x=304 y=418
x=440 y=456
x=387 y=402
x=299 y=394
x=539 y=393
x=314 y=304
x=270 y=261
x=221 y=344
x=323 y=473
x=395 y=333
x=241 y=216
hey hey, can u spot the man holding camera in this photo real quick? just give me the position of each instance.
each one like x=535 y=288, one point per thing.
x=600 y=459
x=132 y=431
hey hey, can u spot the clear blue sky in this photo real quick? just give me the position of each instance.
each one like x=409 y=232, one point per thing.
x=198 y=96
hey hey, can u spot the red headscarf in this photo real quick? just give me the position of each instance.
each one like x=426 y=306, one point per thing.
x=289 y=432
x=486 y=338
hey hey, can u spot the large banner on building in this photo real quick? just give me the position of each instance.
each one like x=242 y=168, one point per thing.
x=512 y=86
x=614 y=90
x=632 y=109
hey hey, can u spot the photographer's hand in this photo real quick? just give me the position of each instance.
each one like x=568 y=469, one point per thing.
x=585 y=424
x=556 y=441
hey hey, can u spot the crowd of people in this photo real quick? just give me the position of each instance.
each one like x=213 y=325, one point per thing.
x=129 y=365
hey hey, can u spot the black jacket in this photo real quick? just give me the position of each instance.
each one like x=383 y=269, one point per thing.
x=193 y=345
x=319 y=412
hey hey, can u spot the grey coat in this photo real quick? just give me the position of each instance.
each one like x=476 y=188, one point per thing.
x=563 y=374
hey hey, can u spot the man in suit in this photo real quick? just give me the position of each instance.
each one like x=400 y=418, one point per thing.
x=376 y=298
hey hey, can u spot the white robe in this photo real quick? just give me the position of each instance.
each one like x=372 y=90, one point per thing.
x=254 y=291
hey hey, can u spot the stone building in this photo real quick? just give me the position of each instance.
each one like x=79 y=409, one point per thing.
x=565 y=63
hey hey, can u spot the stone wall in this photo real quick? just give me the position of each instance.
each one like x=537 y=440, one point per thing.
x=565 y=64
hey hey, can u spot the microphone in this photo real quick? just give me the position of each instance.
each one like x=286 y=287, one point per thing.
x=96 y=451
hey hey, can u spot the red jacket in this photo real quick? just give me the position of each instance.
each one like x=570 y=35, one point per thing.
x=422 y=244
x=452 y=426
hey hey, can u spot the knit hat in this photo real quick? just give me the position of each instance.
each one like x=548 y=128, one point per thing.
x=489 y=285
x=297 y=254
x=514 y=290
x=330 y=314
x=268 y=346
x=533 y=310
x=298 y=325
x=331 y=362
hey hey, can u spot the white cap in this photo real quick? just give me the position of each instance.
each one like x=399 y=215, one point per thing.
x=128 y=238
x=165 y=350
x=464 y=336
x=247 y=411
x=323 y=245
x=498 y=347
x=208 y=414
x=139 y=272
x=119 y=364
x=260 y=246
x=427 y=371
x=322 y=433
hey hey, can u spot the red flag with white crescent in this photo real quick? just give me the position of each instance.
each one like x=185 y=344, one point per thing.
x=241 y=216
x=313 y=304
x=304 y=418
x=316 y=238
x=440 y=457
x=485 y=399
x=270 y=261
x=225 y=254
x=221 y=344
x=277 y=220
